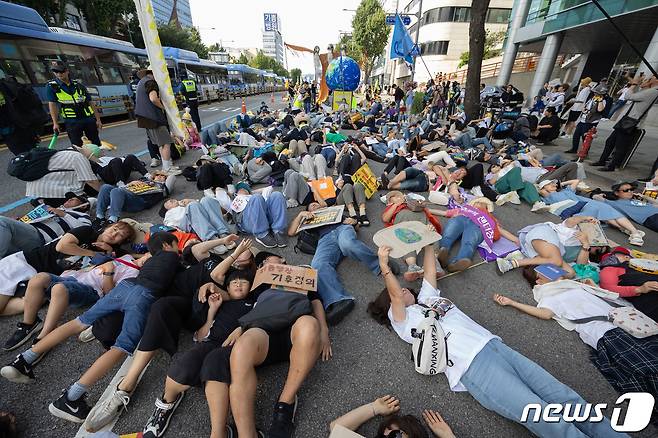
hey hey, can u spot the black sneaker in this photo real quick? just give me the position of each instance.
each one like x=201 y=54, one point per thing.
x=283 y=420
x=22 y=334
x=338 y=310
x=19 y=371
x=280 y=240
x=160 y=418
x=385 y=181
x=70 y=410
x=268 y=241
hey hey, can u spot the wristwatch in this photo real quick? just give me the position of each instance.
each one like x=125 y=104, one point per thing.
x=108 y=274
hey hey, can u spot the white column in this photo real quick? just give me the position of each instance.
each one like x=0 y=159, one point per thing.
x=650 y=55
x=519 y=15
x=546 y=64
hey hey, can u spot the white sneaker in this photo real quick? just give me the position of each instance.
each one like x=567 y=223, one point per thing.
x=503 y=199
x=539 y=206
x=155 y=162
x=565 y=136
x=87 y=335
x=292 y=203
x=173 y=170
x=582 y=187
x=209 y=193
x=107 y=410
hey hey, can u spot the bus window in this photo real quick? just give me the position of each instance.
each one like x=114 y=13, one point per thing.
x=13 y=67
x=84 y=73
x=41 y=72
x=110 y=75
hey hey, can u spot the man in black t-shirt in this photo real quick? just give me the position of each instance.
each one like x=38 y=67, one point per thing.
x=548 y=128
x=134 y=298
x=82 y=241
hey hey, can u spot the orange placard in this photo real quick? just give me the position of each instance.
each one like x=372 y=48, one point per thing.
x=294 y=278
x=325 y=187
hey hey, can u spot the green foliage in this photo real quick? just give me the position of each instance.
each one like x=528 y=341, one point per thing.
x=492 y=47
x=351 y=48
x=185 y=38
x=418 y=104
x=215 y=48
x=370 y=33
x=242 y=59
x=295 y=74
x=264 y=62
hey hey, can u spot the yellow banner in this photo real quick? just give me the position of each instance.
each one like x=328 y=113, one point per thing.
x=159 y=65
x=367 y=178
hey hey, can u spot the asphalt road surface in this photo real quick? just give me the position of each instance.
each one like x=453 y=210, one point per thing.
x=369 y=360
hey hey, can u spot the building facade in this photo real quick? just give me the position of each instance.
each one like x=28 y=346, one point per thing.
x=444 y=28
x=173 y=10
x=272 y=38
x=578 y=30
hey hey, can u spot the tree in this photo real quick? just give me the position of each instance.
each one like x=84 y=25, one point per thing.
x=107 y=17
x=351 y=48
x=264 y=62
x=185 y=38
x=215 y=48
x=370 y=33
x=492 y=47
x=476 y=35
x=243 y=59
x=295 y=74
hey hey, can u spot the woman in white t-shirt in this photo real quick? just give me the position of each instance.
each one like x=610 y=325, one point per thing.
x=498 y=377
x=628 y=363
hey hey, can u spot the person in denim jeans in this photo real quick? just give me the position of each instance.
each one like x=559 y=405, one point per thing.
x=412 y=179
x=263 y=218
x=335 y=242
x=498 y=377
x=133 y=297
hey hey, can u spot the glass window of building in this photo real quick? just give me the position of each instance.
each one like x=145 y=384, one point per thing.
x=72 y=22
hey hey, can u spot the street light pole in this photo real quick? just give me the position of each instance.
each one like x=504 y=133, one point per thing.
x=418 y=16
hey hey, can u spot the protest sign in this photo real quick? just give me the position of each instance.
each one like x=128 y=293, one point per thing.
x=240 y=203
x=405 y=237
x=324 y=186
x=594 y=233
x=38 y=214
x=294 y=278
x=143 y=187
x=323 y=216
x=367 y=178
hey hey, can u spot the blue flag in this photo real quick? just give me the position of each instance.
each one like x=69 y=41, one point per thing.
x=402 y=46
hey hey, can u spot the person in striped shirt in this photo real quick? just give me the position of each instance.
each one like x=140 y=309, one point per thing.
x=16 y=235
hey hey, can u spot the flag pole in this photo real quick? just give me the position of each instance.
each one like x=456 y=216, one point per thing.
x=418 y=17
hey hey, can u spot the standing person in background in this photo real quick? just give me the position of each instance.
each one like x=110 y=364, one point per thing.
x=75 y=106
x=577 y=108
x=398 y=95
x=590 y=116
x=151 y=116
x=642 y=95
x=190 y=91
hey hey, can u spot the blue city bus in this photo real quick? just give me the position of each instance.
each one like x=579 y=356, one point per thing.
x=103 y=65
x=212 y=79
x=244 y=79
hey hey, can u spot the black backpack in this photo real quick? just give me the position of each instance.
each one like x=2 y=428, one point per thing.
x=33 y=164
x=28 y=111
x=307 y=242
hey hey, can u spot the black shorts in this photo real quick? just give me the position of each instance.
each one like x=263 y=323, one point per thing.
x=209 y=361
x=573 y=116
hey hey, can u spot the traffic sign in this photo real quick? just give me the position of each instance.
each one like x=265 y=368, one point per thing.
x=390 y=20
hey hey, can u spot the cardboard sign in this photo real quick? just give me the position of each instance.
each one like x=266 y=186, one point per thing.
x=240 y=203
x=594 y=232
x=323 y=216
x=324 y=186
x=38 y=214
x=367 y=178
x=406 y=237
x=339 y=96
x=143 y=187
x=342 y=432
x=294 y=278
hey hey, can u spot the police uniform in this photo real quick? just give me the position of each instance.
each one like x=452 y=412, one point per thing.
x=189 y=89
x=75 y=110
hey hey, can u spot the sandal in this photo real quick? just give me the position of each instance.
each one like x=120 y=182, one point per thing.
x=363 y=220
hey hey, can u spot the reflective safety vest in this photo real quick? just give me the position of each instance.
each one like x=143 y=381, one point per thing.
x=190 y=89
x=72 y=106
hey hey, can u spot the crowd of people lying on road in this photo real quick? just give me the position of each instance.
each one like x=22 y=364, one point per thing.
x=143 y=286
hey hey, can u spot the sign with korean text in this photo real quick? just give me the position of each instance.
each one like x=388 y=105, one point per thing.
x=271 y=21
x=390 y=20
x=295 y=278
x=367 y=178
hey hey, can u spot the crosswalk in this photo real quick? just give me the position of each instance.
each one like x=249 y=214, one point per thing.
x=215 y=109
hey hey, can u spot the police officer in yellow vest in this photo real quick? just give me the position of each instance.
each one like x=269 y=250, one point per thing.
x=190 y=90
x=71 y=101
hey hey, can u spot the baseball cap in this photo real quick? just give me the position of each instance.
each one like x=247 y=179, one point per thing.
x=546 y=182
x=71 y=195
x=58 y=66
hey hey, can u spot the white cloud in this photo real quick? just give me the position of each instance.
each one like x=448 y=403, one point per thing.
x=240 y=23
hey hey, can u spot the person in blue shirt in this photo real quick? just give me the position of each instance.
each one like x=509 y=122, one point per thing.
x=71 y=101
x=639 y=208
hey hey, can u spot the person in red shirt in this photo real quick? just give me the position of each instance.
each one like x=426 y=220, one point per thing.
x=639 y=288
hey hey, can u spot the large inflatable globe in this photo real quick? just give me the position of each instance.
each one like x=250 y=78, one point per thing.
x=343 y=74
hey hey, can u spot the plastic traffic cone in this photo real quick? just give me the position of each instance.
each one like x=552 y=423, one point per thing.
x=244 y=107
